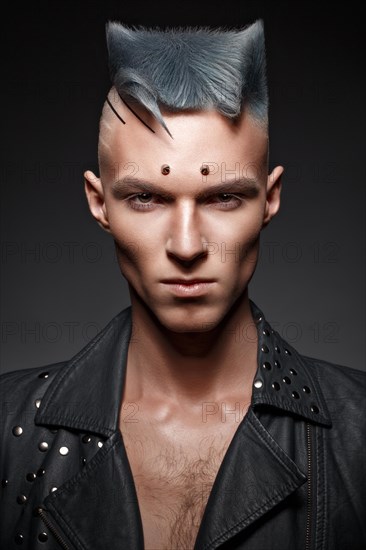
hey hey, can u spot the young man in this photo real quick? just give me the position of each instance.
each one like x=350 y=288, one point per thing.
x=188 y=422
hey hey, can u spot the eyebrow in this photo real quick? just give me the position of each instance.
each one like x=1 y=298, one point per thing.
x=250 y=187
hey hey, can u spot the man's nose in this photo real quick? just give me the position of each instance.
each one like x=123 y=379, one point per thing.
x=186 y=241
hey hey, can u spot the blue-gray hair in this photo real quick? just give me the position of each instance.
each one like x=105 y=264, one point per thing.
x=190 y=68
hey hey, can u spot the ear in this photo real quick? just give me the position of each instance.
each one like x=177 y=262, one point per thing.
x=274 y=185
x=95 y=196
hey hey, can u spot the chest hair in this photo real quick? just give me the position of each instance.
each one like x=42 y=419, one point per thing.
x=173 y=483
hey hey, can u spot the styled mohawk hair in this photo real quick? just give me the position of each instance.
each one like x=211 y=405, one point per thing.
x=190 y=68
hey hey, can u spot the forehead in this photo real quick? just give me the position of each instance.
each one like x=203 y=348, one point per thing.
x=199 y=137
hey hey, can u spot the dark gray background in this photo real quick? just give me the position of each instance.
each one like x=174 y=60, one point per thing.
x=60 y=281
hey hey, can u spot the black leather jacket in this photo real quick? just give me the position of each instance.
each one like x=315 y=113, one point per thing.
x=293 y=477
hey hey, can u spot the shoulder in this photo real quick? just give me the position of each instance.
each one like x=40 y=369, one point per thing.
x=344 y=391
x=334 y=375
x=23 y=377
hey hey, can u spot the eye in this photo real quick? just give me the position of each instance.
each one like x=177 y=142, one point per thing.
x=225 y=196
x=228 y=201
x=140 y=201
x=144 y=197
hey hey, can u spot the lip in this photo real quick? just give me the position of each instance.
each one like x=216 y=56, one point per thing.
x=189 y=287
x=183 y=281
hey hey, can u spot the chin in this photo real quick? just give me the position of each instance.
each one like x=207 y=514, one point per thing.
x=189 y=318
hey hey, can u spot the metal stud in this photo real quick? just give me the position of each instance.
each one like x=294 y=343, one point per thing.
x=286 y=379
x=266 y=332
x=293 y=371
x=100 y=444
x=83 y=460
x=37 y=403
x=43 y=375
x=19 y=538
x=295 y=395
x=17 y=430
x=41 y=472
x=276 y=386
x=31 y=476
x=43 y=446
x=314 y=409
x=86 y=438
x=43 y=537
x=205 y=169
x=53 y=489
x=277 y=349
x=306 y=389
x=264 y=348
x=4 y=483
x=63 y=451
x=277 y=364
x=258 y=319
x=165 y=169
x=267 y=365
x=287 y=351
x=21 y=499
x=258 y=383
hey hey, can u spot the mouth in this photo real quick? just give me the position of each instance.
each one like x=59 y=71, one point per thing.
x=183 y=281
x=188 y=287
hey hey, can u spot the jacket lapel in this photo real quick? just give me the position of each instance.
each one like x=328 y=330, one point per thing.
x=86 y=394
x=255 y=475
x=99 y=506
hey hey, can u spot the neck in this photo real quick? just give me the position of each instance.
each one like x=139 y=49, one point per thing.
x=191 y=366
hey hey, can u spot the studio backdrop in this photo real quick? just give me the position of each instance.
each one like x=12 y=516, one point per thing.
x=60 y=281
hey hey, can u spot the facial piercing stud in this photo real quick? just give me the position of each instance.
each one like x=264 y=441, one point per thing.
x=165 y=169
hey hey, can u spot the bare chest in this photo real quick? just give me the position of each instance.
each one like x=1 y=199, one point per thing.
x=173 y=476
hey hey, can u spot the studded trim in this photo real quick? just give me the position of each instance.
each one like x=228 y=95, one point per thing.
x=282 y=379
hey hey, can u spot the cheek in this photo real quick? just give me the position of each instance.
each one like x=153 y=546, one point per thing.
x=238 y=237
x=128 y=254
x=132 y=235
x=136 y=247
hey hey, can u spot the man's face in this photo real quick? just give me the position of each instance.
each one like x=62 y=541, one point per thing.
x=181 y=226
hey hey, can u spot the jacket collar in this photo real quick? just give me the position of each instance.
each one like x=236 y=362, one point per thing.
x=86 y=393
